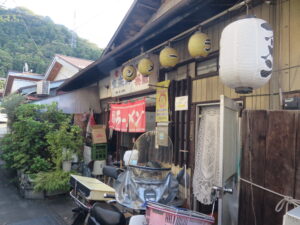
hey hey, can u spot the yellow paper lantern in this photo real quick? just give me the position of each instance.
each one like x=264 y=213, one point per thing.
x=129 y=73
x=199 y=45
x=168 y=57
x=145 y=66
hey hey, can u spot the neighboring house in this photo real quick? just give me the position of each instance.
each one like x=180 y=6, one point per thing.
x=16 y=80
x=63 y=67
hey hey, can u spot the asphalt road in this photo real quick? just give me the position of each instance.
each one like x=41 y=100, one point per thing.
x=15 y=210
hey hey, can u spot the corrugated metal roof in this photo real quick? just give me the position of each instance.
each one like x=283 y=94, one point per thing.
x=32 y=88
x=26 y=75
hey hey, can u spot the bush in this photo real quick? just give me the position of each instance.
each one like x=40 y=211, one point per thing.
x=64 y=141
x=57 y=180
x=27 y=147
x=10 y=104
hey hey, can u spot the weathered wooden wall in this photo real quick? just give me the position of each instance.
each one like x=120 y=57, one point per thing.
x=270 y=158
x=284 y=17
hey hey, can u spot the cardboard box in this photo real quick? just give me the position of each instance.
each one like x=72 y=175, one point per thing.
x=99 y=134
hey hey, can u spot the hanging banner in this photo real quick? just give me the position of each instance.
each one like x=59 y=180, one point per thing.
x=118 y=117
x=137 y=116
x=162 y=101
x=128 y=117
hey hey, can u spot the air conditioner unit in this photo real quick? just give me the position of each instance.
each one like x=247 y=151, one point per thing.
x=43 y=87
x=291 y=103
x=292 y=217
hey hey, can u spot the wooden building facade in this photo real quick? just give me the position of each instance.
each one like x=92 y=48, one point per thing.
x=197 y=78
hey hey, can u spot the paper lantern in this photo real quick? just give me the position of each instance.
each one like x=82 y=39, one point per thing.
x=246 y=54
x=199 y=45
x=145 y=67
x=129 y=73
x=168 y=57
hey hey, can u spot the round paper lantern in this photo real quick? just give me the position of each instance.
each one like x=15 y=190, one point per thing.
x=145 y=66
x=199 y=45
x=129 y=73
x=246 y=54
x=168 y=57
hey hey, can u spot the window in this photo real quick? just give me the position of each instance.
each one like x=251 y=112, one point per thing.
x=207 y=67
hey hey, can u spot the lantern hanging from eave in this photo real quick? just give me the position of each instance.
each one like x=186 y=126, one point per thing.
x=246 y=54
x=145 y=67
x=129 y=73
x=199 y=45
x=168 y=57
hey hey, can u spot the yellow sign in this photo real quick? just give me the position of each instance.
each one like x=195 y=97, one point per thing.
x=162 y=101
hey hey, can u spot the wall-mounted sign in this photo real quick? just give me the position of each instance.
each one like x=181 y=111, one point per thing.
x=162 y=101
x=128 y=117
x=162 y=136
x=119 y=86
x=181 y=103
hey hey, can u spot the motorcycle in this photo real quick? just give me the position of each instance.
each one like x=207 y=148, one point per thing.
x=92 y=211
x=147 y=177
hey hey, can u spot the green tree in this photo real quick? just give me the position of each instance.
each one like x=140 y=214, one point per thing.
x=26 y=37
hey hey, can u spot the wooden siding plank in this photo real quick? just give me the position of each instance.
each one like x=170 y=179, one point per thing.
x=281 y=143
x=227 y=91
x=249 y=103
x=295 y=78
x=215 y=87
x=199 y=90
x=220 y=88
x=294 y=44
x=284 y=45
x=203 y=90
x=254 y=131
x=209 y=89
x=294 y=32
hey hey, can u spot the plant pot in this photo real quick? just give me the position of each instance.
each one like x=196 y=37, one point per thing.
x=67 y=166
x=55 y=193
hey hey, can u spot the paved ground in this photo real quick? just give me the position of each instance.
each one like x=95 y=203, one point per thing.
x=14 y=210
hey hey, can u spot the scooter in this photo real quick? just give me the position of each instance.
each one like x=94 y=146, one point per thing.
x=101 y=212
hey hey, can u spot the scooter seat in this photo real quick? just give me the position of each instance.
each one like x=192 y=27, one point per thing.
x=107 y=214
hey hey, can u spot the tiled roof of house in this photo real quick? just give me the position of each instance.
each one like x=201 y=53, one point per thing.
x=79 y=63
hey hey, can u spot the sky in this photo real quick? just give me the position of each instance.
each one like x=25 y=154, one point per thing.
x=94 y=20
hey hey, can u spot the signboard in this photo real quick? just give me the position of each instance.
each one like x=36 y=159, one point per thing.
x=162 y=136
x=128 y=117
x=119 y=86
x=181 y=103
x=162 y=101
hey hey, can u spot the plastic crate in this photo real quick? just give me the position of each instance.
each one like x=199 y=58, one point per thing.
x=158 y=214
x=99 y=151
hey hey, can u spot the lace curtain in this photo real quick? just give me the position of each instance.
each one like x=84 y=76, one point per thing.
x=207 y=172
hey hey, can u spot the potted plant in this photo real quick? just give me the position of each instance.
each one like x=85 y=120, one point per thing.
x=63 y=143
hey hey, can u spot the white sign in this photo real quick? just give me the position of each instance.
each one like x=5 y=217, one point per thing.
x=181 y=103
x=119 y=86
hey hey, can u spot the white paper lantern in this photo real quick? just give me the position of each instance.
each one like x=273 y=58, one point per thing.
x=246 y=54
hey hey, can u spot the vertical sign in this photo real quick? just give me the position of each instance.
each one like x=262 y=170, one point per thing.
x=162 y=101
